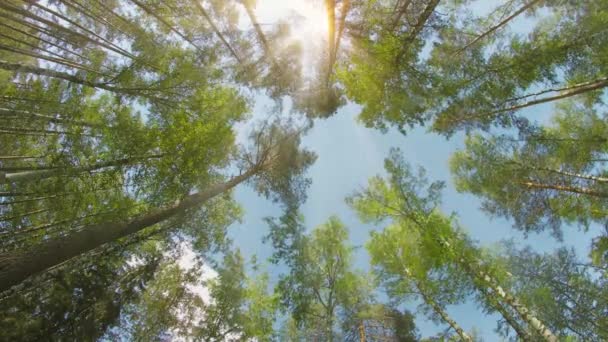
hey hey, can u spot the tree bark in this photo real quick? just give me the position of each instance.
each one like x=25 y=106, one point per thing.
x=42 y=173
x=18 y=266
x=17 y=67
x=437 y=308
x=512 y=301
x=565 y=188
x=166 y=23
x=415 y=31
x=573 y=174
x=47 y=117
x=567 y=92
x=508 y=316
x=499 y=25
x=217 y=31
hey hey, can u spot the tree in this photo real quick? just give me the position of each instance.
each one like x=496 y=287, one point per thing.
x=399 y=84
x=276 y=171
x=201 y=304
x=437 y=242
x=549 y=176
x=321 y=286
x=565 y=292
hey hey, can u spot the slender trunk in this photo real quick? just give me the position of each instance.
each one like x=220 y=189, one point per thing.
x=437 y=308
x=10 y=218
x=94 y=16
x=17 y=67
x=50 y=23
x=573 y=174
x=46 y=117
x=330 y=8
x=61 y=61
x=44 y=41
x=217 y=31
x=40 y=29
x=512 y=301
x=400 y=14
x=115 y=47
x=565 y=188
x=42 y=173
x=32 y=45
x=567 y=92
x=37 y=132
x=508 y=316
x=166 y=23
x=18 y=266
x=342 y=25
x=446 y=318
x=415 y=31
x=30 y=200
x=261 y=36
x=499 y=25
x=20 y=157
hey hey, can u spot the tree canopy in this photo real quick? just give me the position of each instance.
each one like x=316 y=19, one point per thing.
x=127 y=125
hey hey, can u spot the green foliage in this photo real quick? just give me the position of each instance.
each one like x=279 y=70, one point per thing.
x=546 y=178
x=321 y=287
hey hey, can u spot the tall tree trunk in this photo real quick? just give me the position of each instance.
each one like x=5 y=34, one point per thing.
x=217 y=32
x=499 y=25
x=565 y=188
x=330 y=8
x=261 y=36
x=508 y=316
x=166 y=23
x=400 y=12
x=30 y=69
x=566 y=92
x=37 y=37
x=50 y=23
x=19 y=113
x=444 y=315
x=17 y=266
x=574 y=174
x=512 y=301
x=42 y=173
x=415 y=31
x=61 y=61
x=437 y=308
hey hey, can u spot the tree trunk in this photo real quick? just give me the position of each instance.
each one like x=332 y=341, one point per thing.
x=42 y=173
x=401 y=10
x=61 y=61
x=217 y=31
x=50 y=23
x=415 y=31
x=18 y=266
x=166 y=23
x=437 y=308
x=330 y=8
x=501 y=24
x=17 y=67
x=508 y=316
x=565 y=188
x=512 y=301
x=261 y=36
x=444 y=315
x=575 y=175
x=49 y=118
x=567 y=92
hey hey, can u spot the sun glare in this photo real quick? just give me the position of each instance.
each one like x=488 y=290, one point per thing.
x=308 y=18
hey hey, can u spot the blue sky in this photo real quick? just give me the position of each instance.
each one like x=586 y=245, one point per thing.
x=349 y=154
